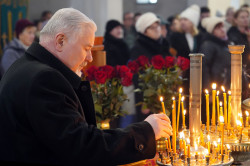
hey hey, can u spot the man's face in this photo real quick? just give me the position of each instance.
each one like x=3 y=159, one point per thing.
x=77 y=52
x=186 y=25
x=128 y=20
x=242 y=20
x=153 y=31
x=219 y=31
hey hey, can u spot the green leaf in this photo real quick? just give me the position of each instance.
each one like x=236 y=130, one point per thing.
x=149 y=92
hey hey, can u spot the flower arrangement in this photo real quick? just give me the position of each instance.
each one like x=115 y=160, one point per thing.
x=107 y=90
x=158 y=77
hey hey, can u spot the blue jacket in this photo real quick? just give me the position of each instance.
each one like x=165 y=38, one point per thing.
x=13 y=51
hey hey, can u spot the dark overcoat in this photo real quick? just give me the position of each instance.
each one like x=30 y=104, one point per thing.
x=47 y=116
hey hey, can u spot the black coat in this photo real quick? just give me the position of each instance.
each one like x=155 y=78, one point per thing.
x=239 y=38
x=47 y=116
x=117 y=51
x=149 y=47
x=216 y=64
x=179 y=42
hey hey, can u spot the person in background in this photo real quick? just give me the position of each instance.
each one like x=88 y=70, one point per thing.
x=229 y=18
x=117 y=51
x=205 y=12
x=240 y=35
x=46 y=15
x=25 y=35
x=137 y=15
x=189 y=40
x=174 y=24
x=163 y=25
x=150 y=41
x=129 y=29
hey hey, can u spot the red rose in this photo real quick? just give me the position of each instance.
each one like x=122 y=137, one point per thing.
x=122 y=70
x=158 y=62
x=100 y=77
x=91 y=72
x=143 y=60
x=134 y=66
x=126 y=80
x=109 y=70
x=169 y=61
x=183 y=63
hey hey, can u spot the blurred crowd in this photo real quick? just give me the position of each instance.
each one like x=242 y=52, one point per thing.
x=191 y=31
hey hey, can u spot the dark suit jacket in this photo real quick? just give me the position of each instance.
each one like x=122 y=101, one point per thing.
x=47 y=116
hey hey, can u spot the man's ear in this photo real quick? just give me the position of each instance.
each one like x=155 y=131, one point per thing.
x=60 y=41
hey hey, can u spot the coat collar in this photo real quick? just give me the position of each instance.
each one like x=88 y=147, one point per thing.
x=44 y=56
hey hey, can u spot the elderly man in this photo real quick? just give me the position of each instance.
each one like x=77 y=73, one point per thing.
x=47 y=114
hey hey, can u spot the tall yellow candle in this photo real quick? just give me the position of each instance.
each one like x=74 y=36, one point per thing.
x=241 y=118
x=179 y=108
x=221 y=111
x=222 y=133
x=174 y=126
x=225 y=104
x=229 y=109
x=162 y=105
x=188 y=148
x=208 y=143
x=218 y=106
x=183 y=114
x=185 y=147
x=247 y=123
x=169 y=144
x=213 y=103
x=207 y=108
x=184 y=123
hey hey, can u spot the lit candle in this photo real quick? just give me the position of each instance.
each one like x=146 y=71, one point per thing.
x=188 y=145
x=215 y=147
x=183 y=114
x=208 y=143
x=169 y=144
x=174 y=126
x=162 y=105
x=218 y=106
x=185 y=147
x=247 y=114
x=228 y=150
x=213 y=103
x=240 y=128
x=166 y=143
x=225 y=104
x=207 y=108
x=179 y=107
x=229 y=109
x=222 y=133
x=221 y=111
x=241 y=118
x=219 y=144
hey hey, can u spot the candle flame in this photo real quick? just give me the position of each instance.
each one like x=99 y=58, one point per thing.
x=182 y=98
x=188 y=141
x=240 y=114
x=184 y=112
x=215 y=143
x=220 y=104
x=222 y=88
x=214 y=86
x=182 y=135
x=218 y=92
x=180 y=90
x=173 y=98
x=208 y=137
x=206 y=151
x=238 y=122
x=161 y=99
x=206 y=91
x=247 y=114
x=228 y=146
x=221 y=119
x=229 y=92
x=218 y=140
x=195 y=146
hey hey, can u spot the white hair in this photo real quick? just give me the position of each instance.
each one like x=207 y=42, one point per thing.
x=68 y=21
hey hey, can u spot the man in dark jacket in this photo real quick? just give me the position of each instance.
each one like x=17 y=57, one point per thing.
x=47 y=114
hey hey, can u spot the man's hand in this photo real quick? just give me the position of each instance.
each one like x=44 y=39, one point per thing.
x=161 y=125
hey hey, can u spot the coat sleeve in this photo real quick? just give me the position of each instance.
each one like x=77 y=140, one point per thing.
x=52 y=113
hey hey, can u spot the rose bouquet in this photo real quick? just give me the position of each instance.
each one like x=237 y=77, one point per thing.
x=107 y=90
x=158 y=77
